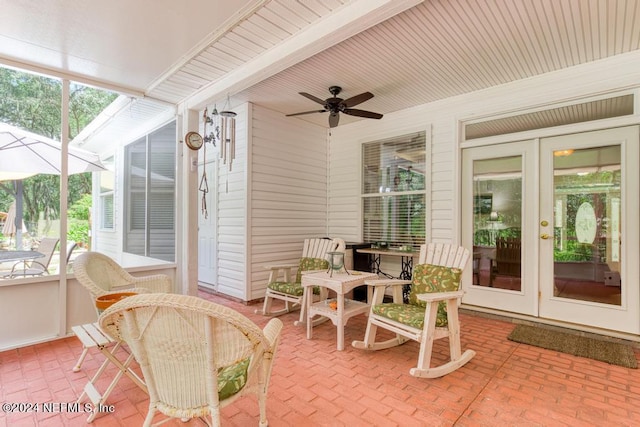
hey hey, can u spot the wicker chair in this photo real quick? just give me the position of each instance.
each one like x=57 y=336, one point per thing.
x=101 y=275
x=432 y=311
x=281 y=287
x=196 y=356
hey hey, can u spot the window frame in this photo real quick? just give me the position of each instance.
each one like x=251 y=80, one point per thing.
x=397 y=186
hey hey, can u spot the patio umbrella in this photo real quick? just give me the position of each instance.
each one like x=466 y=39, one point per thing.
x=24 y=153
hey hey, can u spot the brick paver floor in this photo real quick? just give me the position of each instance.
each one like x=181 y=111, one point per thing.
x=313 y=384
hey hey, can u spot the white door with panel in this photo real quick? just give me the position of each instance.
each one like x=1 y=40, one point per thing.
x=207 y=226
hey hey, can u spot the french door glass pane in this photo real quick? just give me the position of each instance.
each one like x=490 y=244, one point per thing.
x=497 y=222
x=587 y=224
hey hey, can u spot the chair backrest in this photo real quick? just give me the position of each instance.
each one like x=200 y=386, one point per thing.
x=430 y=276
x=181 y=343
x=318 y=248
x=314 y=254
x=70 y=248
x=444 y=254
x=98 y=273
x=47 y=247
x=508 y=256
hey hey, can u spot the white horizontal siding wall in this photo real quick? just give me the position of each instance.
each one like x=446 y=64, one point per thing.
x=288 y=191
x=441 y=120
x=231 y=212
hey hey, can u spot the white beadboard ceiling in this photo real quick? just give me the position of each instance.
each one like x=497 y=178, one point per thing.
x=406 y=52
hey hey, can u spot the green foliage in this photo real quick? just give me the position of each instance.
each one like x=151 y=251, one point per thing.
x=78 y=231
x=34 y=103
x=81 y=209
x=574 y=252
x=79 y=220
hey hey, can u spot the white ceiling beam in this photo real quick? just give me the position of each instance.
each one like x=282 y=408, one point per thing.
x=345 y=22
x=73 y=77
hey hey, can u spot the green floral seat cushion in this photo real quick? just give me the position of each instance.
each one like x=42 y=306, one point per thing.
x=427 y=278
x=310 y=264
x=295 y=288
x=288 y=288
x=232 y=379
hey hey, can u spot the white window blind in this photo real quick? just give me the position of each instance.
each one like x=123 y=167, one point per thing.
x=393 y=193
x=107 y=187
x=150 y=195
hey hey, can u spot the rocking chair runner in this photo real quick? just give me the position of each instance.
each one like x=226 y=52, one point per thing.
x=432 y=311
x=281 y=286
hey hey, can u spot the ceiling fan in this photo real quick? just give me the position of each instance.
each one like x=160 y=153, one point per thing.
x=334 y=106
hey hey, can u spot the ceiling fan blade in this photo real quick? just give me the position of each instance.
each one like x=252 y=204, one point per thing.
x=362 y=113
x=334 y=118
x=313 y=98
x=358 y=99
x=305 y=112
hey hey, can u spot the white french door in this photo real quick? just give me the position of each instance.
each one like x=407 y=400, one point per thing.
x=589 y=247
x=497 y=204
x=547 y=220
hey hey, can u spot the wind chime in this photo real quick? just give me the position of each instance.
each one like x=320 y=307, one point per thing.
x=222 y=135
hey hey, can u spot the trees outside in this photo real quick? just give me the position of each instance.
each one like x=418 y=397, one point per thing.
x=34 y=103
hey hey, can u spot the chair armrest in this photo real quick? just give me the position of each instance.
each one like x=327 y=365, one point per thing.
x=440 y=296
x=272 y=332
x=379 y=287
x=157 y=283
x=280 y=266
x=120 y=289
x=386 y=282
x=276 y=269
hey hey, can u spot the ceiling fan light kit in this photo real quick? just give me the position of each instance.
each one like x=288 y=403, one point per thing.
x=335 y=105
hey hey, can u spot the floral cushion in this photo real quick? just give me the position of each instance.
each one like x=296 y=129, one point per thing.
x=427 y=278
x=288 y=288
x=295 y=288
x=232 y=379
x=309 y=264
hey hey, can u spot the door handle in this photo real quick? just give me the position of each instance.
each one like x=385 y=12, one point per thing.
x=544 y=236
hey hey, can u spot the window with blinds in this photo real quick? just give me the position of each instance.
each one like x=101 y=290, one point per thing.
x=107 y=187
x=150 y=164
x=393 y=193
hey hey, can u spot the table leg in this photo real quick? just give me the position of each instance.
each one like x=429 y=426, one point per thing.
x=340 y=325
x=308 y=300
x=303 y=308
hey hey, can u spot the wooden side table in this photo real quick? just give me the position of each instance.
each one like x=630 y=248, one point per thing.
x=341 y=284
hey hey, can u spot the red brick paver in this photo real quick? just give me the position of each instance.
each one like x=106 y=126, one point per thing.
x=313 y=384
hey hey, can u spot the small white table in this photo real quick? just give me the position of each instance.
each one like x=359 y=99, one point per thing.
x=341 y=284
x=92 y=336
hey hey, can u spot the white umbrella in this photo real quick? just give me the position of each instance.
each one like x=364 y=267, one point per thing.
x=23 y=152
